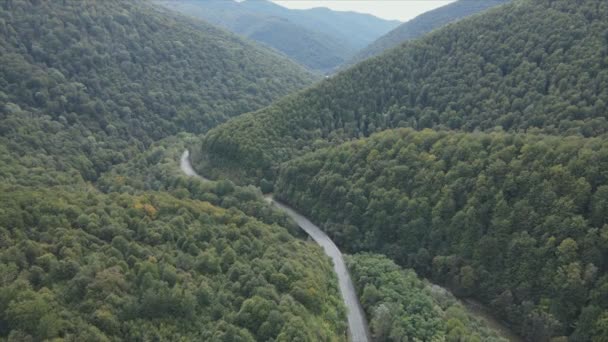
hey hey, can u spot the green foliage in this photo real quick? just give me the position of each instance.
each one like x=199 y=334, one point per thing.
x=532 y=64
x=153 y=266
x=156 y=170
x=512 y=220
x=320 y=39
x=424 y=24
x=85 y=85
x=85 y=88
x=404 y=308
x=266 y=186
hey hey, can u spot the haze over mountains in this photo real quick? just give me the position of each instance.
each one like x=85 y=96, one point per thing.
x=423 y=24
x=511 y=68
x=319 y=38
x=472 y=157
x=87 y=86
x=513 y=216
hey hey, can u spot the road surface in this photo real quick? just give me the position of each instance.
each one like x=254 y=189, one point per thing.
x=357 y=323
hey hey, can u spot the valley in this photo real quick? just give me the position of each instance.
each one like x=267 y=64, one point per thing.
x=318 y=38
x=357 y=323
x=356 y=318
x=437 y=179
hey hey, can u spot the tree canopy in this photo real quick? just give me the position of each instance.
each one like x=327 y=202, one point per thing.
x=518 y=221
x=82 y=265
x=93 y=247
x=526 y=65
x=423 y=24
x=87 y=84
x=401 y=307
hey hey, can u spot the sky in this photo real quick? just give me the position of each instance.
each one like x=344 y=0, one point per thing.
x=402 y=10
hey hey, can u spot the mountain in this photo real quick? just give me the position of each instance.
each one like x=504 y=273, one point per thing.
x=319 y=38
x=518 y=221
x=473 y=155
x=424 y=24
x=85 y=85
x=86 y=266
x=90 y=91
x=402 y=307
x=526 y=66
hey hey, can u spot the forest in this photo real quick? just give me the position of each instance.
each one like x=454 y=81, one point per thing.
x=86 y=266
x=517 y=221
x=85 y=85
x=404 y=308
x=525 y=66
x=319 y=39
x=92 y=247
x=423 y=24
x=474 y=157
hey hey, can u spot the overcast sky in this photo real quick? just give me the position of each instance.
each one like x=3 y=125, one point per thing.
x=403 y=10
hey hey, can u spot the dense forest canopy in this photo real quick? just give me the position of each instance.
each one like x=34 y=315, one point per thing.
x=416 y=310
x=401 y=307
x=86 y=84
x=95 y=248
x=424 y=24
x=320 y=39
x=103 y=239
x=156 y=170
x=526 y=65
x=86 y=266
x=518 y=221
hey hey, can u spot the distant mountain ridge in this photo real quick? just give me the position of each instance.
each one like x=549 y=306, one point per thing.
x=318 y=38
x=86 y=86
x=518 y=67
x=425 y=23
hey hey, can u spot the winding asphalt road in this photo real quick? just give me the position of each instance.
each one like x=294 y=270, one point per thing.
x=357 y=323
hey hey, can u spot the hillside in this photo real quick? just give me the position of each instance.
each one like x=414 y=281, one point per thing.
x=525 y=66
x=320 y=39
x=93 y=246
x=424 y=24
x=403 y=308
x=357 y=29
x=86 y=84
x=427 y=312
x=517 y=221
x=85 y=266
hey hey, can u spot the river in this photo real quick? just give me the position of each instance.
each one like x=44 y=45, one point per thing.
x=357 y=323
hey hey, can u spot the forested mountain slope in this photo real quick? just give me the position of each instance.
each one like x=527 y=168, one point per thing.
x=402 y=307
x=358 y=29
x=415 y=310
x=85 y=266
x=84 y=84
x=423 y=24
x=526 y=65
x=519 y=221
x=320 y=39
